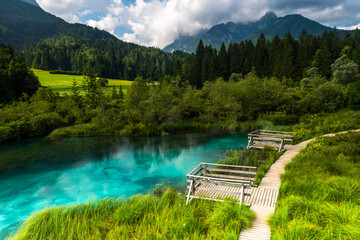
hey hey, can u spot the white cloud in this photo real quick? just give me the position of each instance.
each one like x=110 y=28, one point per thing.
x=159 y=22
x=107 y=23
x=84 y=12
x=353 y=27
x=71 y=10
x=62 y=8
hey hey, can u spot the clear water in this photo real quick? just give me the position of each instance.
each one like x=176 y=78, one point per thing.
x=73 y=170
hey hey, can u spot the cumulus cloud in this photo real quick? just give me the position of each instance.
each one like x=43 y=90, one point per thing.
x=107 y=23
x=159 y=22
x=353 y=27
x=71 y=10
x=62 y=8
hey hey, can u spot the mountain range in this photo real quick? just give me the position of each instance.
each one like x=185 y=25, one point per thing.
x=23 y=23
x=48 y=42
x=270 y=25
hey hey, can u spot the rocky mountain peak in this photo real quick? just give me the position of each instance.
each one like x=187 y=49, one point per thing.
x=267 y=19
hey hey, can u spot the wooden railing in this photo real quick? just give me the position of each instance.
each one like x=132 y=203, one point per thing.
x=259 y=138
x=218 y=176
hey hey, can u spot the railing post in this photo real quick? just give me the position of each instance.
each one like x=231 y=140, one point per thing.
x=281 y=144
x=242 y=194
x=190 y=190
x=250 y=142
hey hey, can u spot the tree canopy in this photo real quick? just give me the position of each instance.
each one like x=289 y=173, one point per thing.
x=15 y=77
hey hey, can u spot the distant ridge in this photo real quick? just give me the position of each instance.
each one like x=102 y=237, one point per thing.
x=25 y=23
x=270 y=25
x=32 y=2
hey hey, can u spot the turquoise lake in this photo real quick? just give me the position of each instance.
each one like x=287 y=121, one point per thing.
x=75 y=170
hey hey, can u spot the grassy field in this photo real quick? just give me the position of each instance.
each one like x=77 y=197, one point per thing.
x=62 y=83
x=320 y=192
x=140 y=217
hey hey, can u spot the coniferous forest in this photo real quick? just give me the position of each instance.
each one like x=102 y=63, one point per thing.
x=278 y=80
x=109 y=58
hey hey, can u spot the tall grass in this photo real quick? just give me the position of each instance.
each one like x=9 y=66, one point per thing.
x=261 y=158
x=320 y=192
x=315 y=125
x=140 y=217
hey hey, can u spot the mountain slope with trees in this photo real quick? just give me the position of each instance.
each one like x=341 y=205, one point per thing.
x=285 y=58
x=221 y=33
x=270 y=25
x=23 y=24
x=49 y=43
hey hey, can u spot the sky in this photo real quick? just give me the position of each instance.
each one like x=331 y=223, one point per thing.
x=159 y=22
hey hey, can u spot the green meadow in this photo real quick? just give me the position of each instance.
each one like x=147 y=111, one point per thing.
x=62 y=83
x=320 y=192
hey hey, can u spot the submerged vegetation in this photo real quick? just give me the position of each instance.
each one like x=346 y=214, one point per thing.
x=140 y=217
x=320 y=192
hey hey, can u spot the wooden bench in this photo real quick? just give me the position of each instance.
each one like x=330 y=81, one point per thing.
x=262 y=138
x=212 y=181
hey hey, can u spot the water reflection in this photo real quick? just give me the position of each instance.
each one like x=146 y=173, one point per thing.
x=57 y=172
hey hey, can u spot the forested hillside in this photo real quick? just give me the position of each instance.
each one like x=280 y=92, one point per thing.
x=23 y=24
x=288 y=59
x=110 y=58
x=269 y=25
x=50 y=43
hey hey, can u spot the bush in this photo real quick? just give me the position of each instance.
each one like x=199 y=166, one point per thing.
x=65 y=72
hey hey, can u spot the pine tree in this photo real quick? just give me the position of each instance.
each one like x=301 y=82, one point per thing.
x=121 y=93
x=198 y=64
x=224 y=62
x=75 y=93
x=261 y=57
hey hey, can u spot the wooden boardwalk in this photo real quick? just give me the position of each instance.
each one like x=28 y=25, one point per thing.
x=275 y=139
x=260 y=228
x=264 y=197
x=204 y=183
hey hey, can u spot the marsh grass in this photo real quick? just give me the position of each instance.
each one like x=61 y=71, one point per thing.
x=261 y=158
x=320 y=192
x=314 y=125
x=140 y=217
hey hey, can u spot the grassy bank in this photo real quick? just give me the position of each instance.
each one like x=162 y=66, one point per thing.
x=62 y=83
x=320 y=192
x=314 y=125
x=308 y=126
x=139 y=217
x=263 y=159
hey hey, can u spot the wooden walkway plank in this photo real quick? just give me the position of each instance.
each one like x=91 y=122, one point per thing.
x=260 y=228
